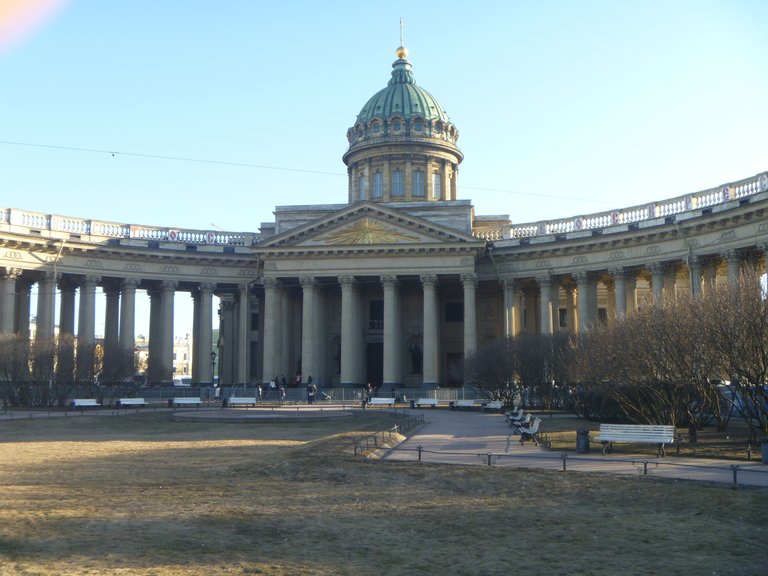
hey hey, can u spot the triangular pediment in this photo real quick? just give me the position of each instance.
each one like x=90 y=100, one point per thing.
x=367 y=224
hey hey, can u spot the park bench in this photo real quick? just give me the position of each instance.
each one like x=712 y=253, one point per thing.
x=425 y=402
x=381 y=401
x=84 y=403
x=241 y=401
x=530 y=432
x=184 y=401
x=496 y=405
x=456 y=404
x=126 y=402
x=643 y=433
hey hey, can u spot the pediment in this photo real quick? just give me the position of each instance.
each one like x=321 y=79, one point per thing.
x=366 y=225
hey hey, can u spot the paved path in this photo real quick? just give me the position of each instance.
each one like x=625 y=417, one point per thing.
x=464 y=437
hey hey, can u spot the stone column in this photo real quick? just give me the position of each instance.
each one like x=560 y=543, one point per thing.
x=408 y=178
x=197 y=368
x=582 y=286
x=657 y=280
x=227 y=336
x=21 y=322
x=570 y=309
x=610 y=305
x=86 y=327
x=469 y=281
x=243 y=341
x=67 y=308
x=112 y=316
x=545 y=303
x=631 y=283
x=127 y=336
x=511 y=308
x=168 y=289
x=350 y=337
x=733 y=259
x=619 y=291
x=271 y=336
x=111 y=367
x=695 y=269
x=46 y=292
x=392 y=346
x=431 y=361
x=8 y=278
x=308 y=343
x=203 y=344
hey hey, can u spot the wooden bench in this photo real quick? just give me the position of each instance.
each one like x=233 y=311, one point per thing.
x=84 y=403
x=241 y=401
x=493 y=405
x=642 y=433
x=381 y=401
x=456 y=404
x=184 y=401
x=125 y=402
x=425 y=402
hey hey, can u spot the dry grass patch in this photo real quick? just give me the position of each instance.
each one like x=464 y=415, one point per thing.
x=141 y=495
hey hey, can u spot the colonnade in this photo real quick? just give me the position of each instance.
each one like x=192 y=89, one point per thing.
x=347 y=295
x=586 y=297
x=78 y=293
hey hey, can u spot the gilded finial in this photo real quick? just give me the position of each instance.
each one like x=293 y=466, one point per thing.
x=402 y=51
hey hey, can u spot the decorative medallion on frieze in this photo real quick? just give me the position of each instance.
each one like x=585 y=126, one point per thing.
x=367 y=231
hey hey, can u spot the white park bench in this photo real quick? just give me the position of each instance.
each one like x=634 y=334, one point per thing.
x=185 y=401
x=126 y=402
x=493 y=405
x=381 y=402
x=241 y=401
x=456 y=404
x=642 y=433
x=426 y=402
x=84 y=403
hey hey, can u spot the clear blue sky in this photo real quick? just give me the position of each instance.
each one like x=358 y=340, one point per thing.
x=563 y=107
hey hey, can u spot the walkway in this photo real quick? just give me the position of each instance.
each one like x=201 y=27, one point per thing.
x=464 y=437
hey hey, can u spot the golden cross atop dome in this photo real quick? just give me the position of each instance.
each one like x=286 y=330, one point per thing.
x=402 y=51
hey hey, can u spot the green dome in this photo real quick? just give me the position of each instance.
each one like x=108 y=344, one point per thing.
x=403 y=98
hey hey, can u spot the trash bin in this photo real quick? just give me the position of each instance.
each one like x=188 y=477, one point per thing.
x=413 y=403
x=764 y=446
x=582 y=441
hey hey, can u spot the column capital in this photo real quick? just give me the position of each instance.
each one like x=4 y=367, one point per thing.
x=308 y=281
x=207 y=287
x=582 y=277
x=469 y=279
x=169 y=285
x=131 y=283
x=544 y=280
x=619 y=273
x=428 y=280
x=731 y=255
x=90 y=281
x=271 y=283
x=13 y=273
x=657 y=268
x=389 y=281
x=347 y=281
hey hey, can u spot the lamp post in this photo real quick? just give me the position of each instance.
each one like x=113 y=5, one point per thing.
x=213 y=367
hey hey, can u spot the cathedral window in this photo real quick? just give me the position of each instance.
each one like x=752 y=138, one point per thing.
x=397 y=183
x=418 y=183
x=361 y=188
x=436 y=184
x=378 y=185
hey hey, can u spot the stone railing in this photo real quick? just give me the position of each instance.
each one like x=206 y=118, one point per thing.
x=97 y=230
x=662 y=209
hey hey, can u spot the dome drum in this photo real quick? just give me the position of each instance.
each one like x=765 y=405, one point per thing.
x=402 y=146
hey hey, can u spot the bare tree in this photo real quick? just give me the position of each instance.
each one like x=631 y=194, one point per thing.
x=492 y=370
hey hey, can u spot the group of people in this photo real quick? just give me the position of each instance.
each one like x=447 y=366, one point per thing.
x=275 y=389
